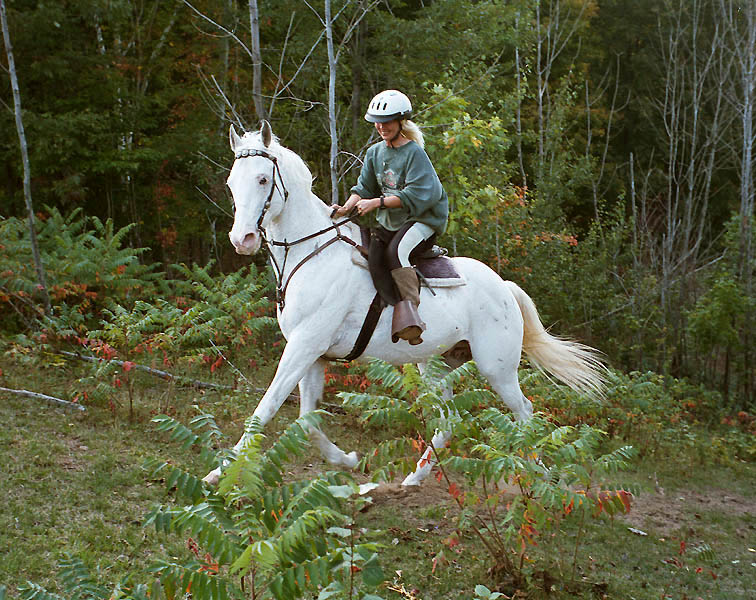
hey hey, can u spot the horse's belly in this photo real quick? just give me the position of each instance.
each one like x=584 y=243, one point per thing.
x=445 y=327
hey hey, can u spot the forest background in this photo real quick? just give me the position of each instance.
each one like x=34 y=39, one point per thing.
x=598 y=153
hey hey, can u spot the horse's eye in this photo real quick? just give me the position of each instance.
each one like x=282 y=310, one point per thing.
x=263 y=180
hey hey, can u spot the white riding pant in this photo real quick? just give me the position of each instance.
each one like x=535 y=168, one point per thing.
x=419 y=232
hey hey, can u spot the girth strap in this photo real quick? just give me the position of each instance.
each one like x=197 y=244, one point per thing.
x=366 y=332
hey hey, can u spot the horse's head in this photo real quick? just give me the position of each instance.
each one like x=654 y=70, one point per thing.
x=256 y=185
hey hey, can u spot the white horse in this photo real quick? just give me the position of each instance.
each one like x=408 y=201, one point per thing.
x=324 y=297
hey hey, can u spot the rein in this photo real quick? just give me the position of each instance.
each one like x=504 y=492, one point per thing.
x=282 y=285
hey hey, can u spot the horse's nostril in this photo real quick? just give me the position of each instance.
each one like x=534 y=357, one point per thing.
x=249 y=239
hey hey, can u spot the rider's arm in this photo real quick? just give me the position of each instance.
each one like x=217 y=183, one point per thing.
x=422 y=188
x=369 y=204
x=367 y=183
x=349 y=204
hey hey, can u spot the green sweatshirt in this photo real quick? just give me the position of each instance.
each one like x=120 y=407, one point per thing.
x=406 y=172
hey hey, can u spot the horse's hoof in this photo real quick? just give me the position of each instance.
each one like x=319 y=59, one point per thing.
x=212 y=478
x=413 y=479
x=350 y=460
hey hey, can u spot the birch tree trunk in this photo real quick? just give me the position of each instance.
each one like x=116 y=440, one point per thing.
x=554 y=30
x=691 y=125
x=254 y=24
x=740 y=23
x=24 y=159
x=332 y=105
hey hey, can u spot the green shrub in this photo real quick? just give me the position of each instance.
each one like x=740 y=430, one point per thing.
x=561 y=472
x=255 y=536
x=86 y=262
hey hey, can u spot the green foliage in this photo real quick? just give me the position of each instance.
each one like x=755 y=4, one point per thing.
x=87 y=262
x=483 y=593
x=79 y=584
x=664 y=412
x=563 y=473
x=258 y=533
x=415 y=404
x=285 y=539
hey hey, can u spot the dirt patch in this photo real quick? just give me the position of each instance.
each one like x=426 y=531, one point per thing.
x=667 y=513
x=430 y=493
x=74 y=459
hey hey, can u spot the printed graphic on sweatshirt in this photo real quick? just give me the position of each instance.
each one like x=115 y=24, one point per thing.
x=389 y=179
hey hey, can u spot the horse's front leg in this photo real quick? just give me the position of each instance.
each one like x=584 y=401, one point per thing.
x=311 y=392
x=428 y=459
x=298 y=356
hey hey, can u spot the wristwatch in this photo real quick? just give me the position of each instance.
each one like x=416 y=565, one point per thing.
x=383 y=201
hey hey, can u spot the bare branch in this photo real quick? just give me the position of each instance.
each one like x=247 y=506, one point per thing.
x=155 y=372
x=223 y=29
x=45 y=397
x=216 y=205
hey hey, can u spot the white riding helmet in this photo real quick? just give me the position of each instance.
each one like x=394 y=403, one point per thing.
x=388 y=106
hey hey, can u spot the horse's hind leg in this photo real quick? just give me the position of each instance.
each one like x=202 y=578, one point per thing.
x=497 y=356
x=311 y=392
x=428 y=459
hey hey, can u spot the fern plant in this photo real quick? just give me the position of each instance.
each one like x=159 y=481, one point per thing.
x=86 y=261
x=78 y=583
x=257 y=534
x=206 y=316
x=560 y=472
x=236 y=307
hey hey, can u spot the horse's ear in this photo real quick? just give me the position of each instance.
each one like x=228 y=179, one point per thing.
x=233 y=138
x=266 y=132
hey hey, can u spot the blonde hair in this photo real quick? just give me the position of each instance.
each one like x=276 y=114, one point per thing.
x=412 y=132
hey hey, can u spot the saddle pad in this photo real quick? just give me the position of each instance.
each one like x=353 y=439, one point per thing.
x=438 y=272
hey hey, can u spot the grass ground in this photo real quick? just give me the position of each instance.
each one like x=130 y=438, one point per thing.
x=73 y=484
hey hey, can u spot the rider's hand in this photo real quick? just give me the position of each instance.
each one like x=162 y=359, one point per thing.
x=367 y=205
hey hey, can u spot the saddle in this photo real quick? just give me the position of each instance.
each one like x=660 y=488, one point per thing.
x=434 y=269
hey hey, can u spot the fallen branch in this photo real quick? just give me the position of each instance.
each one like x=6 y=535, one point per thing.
x=64 y=403
x=156 y=372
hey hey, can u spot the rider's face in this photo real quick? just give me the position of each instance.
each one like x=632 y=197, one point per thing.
x=388 y=131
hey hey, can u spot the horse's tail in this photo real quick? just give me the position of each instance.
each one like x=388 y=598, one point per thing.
x=573 y=363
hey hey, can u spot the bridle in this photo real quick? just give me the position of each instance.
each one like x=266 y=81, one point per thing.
x=278 y=270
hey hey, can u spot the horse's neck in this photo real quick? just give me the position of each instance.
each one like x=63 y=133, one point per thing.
x=304 y=216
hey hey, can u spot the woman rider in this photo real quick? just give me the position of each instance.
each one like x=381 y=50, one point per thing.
x=399 y=181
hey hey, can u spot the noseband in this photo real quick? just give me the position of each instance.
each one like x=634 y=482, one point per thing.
x=281 y=285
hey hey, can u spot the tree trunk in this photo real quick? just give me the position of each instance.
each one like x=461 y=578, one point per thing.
x=332 y=105
x=254 y=25
x=25 y=159
x=740 y=23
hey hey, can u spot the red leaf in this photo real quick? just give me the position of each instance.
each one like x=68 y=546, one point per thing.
x=569 y=507
x=128 y=365
x=439 y=475
x=454 y=491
